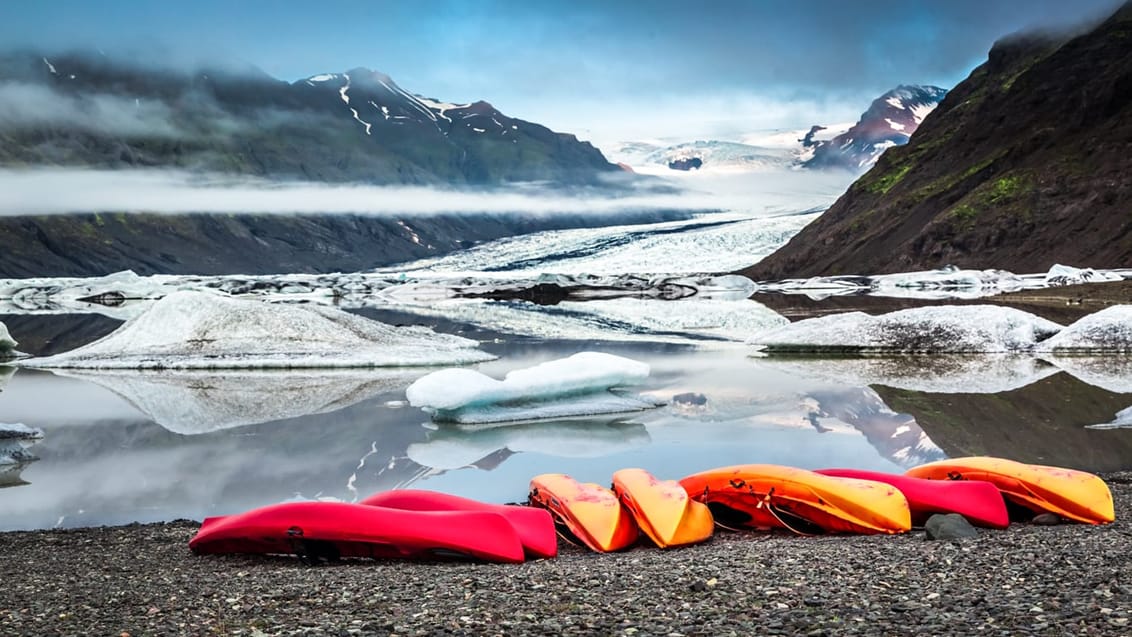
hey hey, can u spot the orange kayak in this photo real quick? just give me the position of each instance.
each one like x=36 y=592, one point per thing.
x=766 y=496
x=1071 y=494
x=592 y=513
x=662 y=509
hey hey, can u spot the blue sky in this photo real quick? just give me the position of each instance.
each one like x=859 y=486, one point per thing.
x=605 y=70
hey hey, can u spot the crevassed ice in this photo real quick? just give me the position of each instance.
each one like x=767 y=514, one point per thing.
x=576 y=385
x=944 y=328
x=199 y=330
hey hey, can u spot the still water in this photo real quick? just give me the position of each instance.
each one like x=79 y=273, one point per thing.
x=125 y=447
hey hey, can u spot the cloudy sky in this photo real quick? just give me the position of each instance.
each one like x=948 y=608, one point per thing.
x=604 y=69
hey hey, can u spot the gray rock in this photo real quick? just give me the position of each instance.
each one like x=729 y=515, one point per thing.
x=1046 y=519
x=950 y=526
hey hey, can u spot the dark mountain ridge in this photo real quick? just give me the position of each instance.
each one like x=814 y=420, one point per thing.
x=359 y=126
x=1023 y=165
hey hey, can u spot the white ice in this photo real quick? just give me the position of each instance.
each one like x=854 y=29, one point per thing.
x=934 y=329
x=192 y=402
x=1123 y=420
x=7 y=343
x=1106 y=331
x=578 y=385
x=19 y=431
x=201 y=330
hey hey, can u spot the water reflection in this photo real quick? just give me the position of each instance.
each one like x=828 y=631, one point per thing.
x=195 y=402
x=984 y=374
x=141 y=447
x=454 y=447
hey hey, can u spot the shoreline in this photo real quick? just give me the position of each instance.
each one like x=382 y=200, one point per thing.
x=142 y=580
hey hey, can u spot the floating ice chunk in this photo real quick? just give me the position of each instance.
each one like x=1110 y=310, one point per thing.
x=936 y=329
x=1069 y=275
x=195 y=402
x=950 y=374
x=15 y=439
x=575 y=386
x=1107 y=331
x=7 y=343
x=197 y=330
x=19 y=431
x=454 y=448
x=1123 y=420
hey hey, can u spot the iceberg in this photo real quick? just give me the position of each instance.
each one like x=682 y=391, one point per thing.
x=1069 y=275
x=15 y=439
x=936 y=329
x=947 y=374
x=1107 y=331
x=450 y=448
x=1123 y=420
x=579 y=385
x=202 y=330
x=7 y=344
x=190 y=402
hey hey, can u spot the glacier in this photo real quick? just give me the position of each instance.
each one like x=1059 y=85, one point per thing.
x=200 y=330
x=579 y=385
x=933 y=329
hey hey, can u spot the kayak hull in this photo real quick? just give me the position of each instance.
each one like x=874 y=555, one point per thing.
x=592 y=513
x=767 y=496
x=339 y=529
x=1074 y=495
x=980 y=502
x=535 y=526
x=662 y=509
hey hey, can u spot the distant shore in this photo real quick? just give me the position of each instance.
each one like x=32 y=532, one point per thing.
x=142 y=580
x=1063 y=304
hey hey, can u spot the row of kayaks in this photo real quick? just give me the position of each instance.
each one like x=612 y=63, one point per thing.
x=417 y=524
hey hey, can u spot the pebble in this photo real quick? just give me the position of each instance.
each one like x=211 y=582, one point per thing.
x=1067 y=579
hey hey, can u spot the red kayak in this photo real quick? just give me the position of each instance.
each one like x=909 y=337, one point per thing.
x=535 y=526
x=329 y=530
x=980 y=502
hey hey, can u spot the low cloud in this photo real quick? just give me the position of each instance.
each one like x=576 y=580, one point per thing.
x=46 y=191
x=28 y=105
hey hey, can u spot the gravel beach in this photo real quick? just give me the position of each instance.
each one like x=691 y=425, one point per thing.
x=142 y=580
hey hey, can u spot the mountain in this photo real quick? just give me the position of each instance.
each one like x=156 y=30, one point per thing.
x=1023 y=165
x=890 y=121
x=359 y=126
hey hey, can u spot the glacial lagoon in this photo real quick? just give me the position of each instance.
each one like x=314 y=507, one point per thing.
x=121 y=447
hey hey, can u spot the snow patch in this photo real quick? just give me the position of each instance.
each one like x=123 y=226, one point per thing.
x=575 y=386
x=325 y=77
x=897 y=126
x=895 y=102
x=51 y=67
x=198 y=330
x=920 y=111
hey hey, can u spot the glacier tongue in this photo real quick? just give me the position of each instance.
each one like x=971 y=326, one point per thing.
x=199 y=330
x=578 y=385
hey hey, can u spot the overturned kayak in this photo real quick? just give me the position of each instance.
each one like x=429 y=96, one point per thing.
x=590 y=512
x=1071 y=494
x=329 y=530
x=765 y=496
x=662 y=509
x=980 y=502
x=535 y=526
